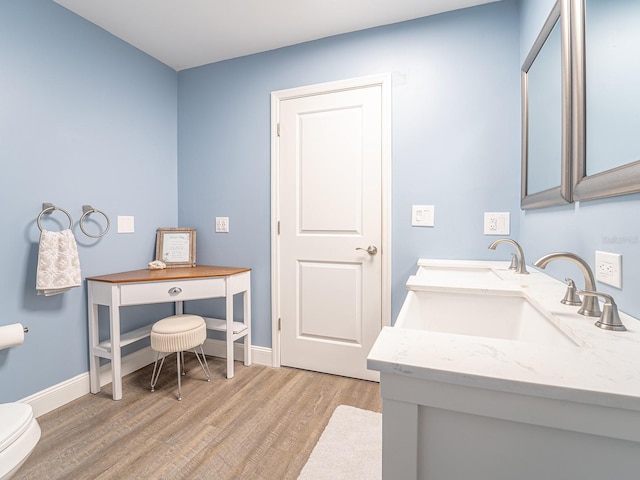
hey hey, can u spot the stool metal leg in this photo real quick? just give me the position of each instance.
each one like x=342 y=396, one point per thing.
x=180 y=368
x=156 y=371
x=178 y=356
x=203 y=363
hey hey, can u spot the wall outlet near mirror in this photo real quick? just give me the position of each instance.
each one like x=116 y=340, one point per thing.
x=496 y=223
x=609 y=268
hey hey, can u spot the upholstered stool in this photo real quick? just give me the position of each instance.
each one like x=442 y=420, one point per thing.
x=176 y=334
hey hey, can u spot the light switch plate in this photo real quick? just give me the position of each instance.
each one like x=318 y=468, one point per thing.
x=496 y=223
x=609 y=268
x=422 y=215
x=125 y=224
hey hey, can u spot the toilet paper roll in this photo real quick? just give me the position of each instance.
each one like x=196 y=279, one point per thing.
x=11 y=335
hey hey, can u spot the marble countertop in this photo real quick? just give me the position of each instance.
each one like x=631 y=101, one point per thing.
x=603 y=369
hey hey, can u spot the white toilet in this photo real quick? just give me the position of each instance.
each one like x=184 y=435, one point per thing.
x=19 y=434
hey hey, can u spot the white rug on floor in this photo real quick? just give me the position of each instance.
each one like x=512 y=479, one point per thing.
x=350 y=447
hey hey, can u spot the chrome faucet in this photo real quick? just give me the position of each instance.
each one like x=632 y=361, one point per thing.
x=590 y=306
x=521 y=266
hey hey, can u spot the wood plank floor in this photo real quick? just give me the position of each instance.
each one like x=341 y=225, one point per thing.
x=262 y=424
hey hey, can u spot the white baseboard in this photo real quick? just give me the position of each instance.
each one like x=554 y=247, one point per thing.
x=58 y=395
x=218 y=348
x=53 y=397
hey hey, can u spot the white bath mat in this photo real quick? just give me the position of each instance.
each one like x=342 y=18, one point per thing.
x=350 y=447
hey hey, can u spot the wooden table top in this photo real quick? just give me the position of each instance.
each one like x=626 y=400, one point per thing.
x=146 y=275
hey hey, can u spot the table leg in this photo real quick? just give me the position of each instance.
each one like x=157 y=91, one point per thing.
x=229 y=334
x=116 y=353
x=247 y=321
x=94 y=360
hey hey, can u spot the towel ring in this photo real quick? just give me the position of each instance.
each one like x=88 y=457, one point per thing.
x=88 y=210
x=48 y=208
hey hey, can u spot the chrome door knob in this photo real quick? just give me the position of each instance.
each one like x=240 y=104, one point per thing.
x=371 y=249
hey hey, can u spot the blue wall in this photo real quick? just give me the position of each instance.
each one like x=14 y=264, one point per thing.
x=84 y=119
x=456 y=138
x=609 y=225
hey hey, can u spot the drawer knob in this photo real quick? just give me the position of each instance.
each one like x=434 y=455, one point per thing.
x=175 y=291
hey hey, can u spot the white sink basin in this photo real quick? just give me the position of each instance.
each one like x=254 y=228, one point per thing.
x=461 y=273
x=487 y=314
x=457 y=273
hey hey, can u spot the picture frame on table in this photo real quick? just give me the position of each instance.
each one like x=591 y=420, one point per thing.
x=176 y=247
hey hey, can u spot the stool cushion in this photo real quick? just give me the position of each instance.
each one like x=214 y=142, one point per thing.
x=178 y=333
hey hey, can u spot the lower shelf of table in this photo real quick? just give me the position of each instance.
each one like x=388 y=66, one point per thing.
x=239 y=330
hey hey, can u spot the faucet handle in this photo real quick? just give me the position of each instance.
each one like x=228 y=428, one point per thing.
x=570 y=296
x=514 y=262
x=610 y=318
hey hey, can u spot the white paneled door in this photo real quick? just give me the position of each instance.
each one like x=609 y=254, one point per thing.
x=330 y=243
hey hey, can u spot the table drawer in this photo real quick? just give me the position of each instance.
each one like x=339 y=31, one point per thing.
x=171 y=291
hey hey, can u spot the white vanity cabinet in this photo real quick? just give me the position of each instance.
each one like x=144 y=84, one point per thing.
x=473 y=407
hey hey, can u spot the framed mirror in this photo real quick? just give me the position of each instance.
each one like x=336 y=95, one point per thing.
x=546 y=114
x=607 y=98
x=176 y=247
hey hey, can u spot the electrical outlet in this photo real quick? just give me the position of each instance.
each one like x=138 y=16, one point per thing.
x=222 y=224
x=496 y=223
x=609 y=268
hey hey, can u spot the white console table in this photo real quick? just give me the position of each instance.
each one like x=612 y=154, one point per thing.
x=139 y=287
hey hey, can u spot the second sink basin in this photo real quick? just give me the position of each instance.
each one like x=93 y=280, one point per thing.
x=510 y=317
x=458 y=273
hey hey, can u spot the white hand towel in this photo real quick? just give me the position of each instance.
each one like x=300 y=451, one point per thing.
x=58 y=263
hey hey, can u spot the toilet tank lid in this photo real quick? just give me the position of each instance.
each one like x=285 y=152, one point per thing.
x=15 y=418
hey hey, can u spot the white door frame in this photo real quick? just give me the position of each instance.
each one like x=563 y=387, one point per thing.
x=384 y=81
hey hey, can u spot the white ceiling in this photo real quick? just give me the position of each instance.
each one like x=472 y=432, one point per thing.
x=189 y=33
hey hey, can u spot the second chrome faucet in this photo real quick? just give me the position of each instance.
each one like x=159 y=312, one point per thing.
x=521 y=266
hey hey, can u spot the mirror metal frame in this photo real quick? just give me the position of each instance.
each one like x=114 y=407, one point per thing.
x=562 y=194
x=621 y=180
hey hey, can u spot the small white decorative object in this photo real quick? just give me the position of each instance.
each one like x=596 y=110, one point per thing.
x=157 y=265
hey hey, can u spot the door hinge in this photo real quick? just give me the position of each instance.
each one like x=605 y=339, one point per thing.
x=278 y=227
x=279 y=324
x=278 y=129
